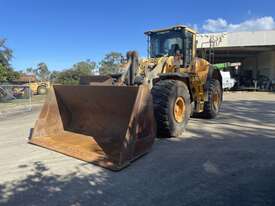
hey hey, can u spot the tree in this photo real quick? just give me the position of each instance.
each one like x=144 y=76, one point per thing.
x=72 y=75
x=30 y=70
x=5 y=53
x=54 y=76
x=68 y=76
x=6 y=72
x=3 y=73
x=85 y=67
x=42 y=72
x=111 y=63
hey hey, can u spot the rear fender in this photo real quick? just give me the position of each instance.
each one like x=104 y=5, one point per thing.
x=177 y=76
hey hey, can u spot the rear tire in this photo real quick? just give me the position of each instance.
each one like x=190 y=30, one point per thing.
x=212 y=106
x=172 y=107
x=41 y=90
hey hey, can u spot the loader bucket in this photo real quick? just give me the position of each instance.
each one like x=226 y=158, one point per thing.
x=106 y=125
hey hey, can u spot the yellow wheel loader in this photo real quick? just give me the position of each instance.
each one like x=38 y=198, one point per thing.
x=39 y=88
x=112 y=120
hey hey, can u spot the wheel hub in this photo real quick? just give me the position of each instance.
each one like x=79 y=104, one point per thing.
x=179 y=110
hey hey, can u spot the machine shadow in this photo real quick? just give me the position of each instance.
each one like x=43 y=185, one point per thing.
x=245 y=110
x=183 y=172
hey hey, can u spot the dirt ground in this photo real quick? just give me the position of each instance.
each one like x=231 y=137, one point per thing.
x=229 y=160
x=19 y=105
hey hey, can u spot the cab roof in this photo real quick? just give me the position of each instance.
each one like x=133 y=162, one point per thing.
x=176 y=27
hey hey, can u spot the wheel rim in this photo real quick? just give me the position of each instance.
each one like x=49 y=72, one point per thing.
x=179 y=110
x=216 y=100
x=42 y=90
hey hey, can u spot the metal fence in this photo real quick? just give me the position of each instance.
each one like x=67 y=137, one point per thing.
x=15 y=98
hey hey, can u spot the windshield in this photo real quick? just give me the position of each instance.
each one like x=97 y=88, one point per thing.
x=166 y=43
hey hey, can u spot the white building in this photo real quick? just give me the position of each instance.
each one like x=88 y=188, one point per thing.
x=255 y=50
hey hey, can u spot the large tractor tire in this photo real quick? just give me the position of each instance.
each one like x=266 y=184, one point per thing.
x=41 y=90
x=213 y=105
x=172 y=107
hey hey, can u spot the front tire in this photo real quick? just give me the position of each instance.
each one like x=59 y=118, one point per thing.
x=172 y=107
x=41 y=90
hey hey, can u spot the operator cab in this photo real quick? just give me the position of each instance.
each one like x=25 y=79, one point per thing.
x=178 y=41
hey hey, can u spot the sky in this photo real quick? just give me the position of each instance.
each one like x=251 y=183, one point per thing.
x=64 y=32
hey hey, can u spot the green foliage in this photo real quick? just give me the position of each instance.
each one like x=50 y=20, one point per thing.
x=54 y=76
x=42 y=72
x=111 y=63
x=72 y=76
x=7 y=74
x=85 y=67
x=30 y=70
x=3 y=73
x=68 y=76
x=5 y=53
